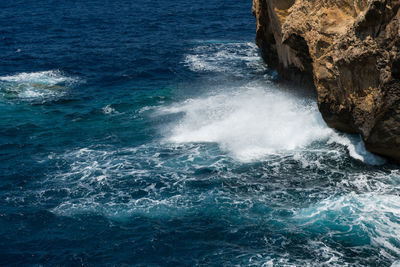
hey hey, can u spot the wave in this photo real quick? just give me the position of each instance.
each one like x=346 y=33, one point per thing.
x=356 y=148
x=51 y=77
x=35 y=85
x=257 y=120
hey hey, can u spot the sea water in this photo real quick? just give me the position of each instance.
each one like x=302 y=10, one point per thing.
x=152 y=133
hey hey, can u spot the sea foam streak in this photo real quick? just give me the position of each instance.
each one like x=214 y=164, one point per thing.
x=35 y=85
x=45 y=77
x=366 y=216
x=235 y=58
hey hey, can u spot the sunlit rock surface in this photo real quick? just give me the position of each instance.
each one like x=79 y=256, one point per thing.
x=350 y=49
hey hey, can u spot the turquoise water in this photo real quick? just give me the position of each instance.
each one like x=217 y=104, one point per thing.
x=143 y=133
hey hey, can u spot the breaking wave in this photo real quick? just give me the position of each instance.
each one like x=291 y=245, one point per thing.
x=35 y=85
x=249 y=122
x=258 y=120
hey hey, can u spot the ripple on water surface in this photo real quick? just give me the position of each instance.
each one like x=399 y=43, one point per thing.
x=330 y=208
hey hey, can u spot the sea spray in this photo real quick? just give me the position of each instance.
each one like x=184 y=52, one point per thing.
x=256 y=120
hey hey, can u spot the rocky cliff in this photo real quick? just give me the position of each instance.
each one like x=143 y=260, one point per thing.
x=351 y=48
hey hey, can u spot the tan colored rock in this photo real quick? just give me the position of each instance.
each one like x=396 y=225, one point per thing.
x=352 y=50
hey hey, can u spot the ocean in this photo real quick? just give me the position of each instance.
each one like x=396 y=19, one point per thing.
x=151 y=133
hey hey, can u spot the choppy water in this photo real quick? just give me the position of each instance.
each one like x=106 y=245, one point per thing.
x=151 y=133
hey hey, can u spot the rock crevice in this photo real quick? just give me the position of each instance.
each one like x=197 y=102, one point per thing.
x=351 y=51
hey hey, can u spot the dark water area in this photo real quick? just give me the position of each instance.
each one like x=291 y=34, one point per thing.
x=151 y=133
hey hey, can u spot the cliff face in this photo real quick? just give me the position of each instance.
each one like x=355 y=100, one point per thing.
x=352 y=50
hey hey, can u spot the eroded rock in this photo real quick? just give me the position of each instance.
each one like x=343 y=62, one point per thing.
x=352 y=50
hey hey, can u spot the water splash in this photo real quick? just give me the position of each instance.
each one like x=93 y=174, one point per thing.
x=356 y=148
x=257 y=120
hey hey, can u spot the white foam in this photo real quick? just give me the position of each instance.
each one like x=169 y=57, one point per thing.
x=35 y=85
x=222 y=57
x=90 y=170
x=109 y=110
x=254 y=121
x=356 y=148
x=377 y=215
x=51 y=77
x=257 y=120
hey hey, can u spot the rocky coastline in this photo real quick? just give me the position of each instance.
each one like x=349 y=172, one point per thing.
x=350 y=49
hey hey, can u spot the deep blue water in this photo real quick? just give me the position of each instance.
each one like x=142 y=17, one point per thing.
x=151 y=133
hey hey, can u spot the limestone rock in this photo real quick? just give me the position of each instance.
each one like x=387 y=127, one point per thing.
x=351 y=48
